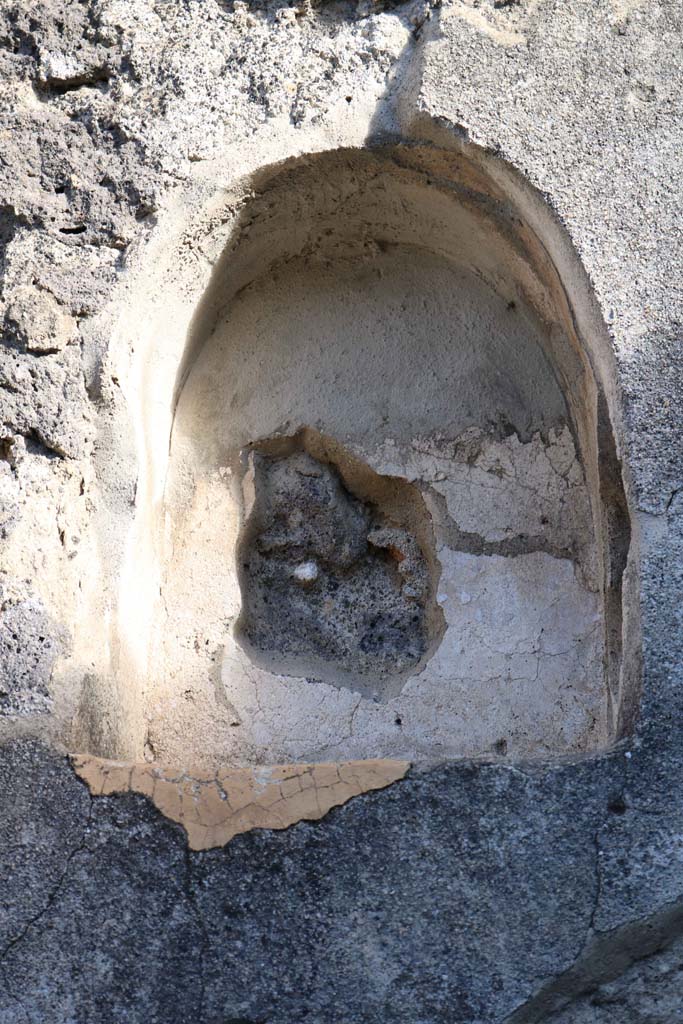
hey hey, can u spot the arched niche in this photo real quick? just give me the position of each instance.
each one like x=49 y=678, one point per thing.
x=391 y=518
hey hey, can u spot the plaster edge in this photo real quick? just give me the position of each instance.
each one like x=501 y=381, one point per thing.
x=214 y=807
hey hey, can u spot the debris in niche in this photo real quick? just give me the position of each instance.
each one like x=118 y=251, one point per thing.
x=214 y=807
x=338 y=572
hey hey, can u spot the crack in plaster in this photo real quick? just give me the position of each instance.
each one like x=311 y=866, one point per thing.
x=603 y=959
x=18 y=939
x=672 y=497
x=53 y=895
x=591 y=930
x=534 y=1009
x=598 y=884
x=473 y=543
x=214 y=807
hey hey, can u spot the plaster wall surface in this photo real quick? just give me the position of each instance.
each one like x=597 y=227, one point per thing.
x=486 y=891
x=424 y=374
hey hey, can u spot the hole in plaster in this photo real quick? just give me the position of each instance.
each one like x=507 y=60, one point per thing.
x=337 y=568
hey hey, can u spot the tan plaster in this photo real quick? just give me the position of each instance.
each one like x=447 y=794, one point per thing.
x=213 y=807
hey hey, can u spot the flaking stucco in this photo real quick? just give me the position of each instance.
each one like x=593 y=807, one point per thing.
x=213 y=807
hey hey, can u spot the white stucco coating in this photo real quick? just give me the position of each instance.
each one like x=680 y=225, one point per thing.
x=421 y=372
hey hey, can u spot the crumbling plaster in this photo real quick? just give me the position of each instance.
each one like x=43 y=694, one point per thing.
x=448 y=207
x=213 y=808
x=139 y=353
x=552 y=880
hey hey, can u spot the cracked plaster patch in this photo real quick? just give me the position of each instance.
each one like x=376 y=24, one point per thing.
x=515 y=665
x=214 y=807
x=497 y=489
x=515 y=671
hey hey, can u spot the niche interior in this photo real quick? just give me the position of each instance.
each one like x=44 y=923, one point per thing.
x=393 y=520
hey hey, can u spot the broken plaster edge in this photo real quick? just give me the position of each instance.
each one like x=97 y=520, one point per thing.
x=214 y=807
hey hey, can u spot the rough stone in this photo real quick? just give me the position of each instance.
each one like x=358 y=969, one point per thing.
x=29 y=647
x=361 y=611
x=36 y=322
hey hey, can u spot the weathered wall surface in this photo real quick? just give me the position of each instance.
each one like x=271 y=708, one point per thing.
x=468 y=891
x=404 y=361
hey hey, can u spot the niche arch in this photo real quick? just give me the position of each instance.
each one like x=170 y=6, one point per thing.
x=408 y=327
